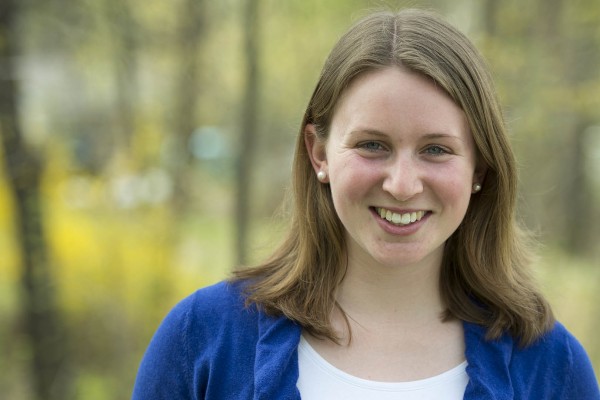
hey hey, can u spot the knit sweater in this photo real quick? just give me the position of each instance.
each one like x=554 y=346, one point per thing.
x=210 y=346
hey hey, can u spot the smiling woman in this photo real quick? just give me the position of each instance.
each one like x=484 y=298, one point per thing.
x=396 y=143
x=404 y=274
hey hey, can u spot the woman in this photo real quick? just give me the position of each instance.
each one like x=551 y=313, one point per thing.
x=404 y=274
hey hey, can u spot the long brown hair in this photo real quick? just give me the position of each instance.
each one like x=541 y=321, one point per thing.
x=484 y=276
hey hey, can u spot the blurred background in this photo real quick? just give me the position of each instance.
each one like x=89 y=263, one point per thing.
x=146 y=151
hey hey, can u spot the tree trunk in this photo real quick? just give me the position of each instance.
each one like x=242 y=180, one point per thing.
x=123 y=28
x=186 y=99
x=576 y=206
x=248 y=129
x=490 y=17
x=43 y=327
x=578 y=194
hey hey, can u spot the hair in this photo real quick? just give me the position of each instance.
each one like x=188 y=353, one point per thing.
x=484 y=277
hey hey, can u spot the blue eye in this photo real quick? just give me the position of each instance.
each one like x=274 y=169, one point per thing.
x=436 y=150
x=371 y=146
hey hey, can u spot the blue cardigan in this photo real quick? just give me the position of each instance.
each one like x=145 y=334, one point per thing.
x=212 y=347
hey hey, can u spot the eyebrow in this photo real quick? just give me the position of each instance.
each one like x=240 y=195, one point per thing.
x=425 y=136
x=441 y=136
x=369 y=131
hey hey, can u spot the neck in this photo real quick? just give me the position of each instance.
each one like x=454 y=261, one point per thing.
x=378 y=295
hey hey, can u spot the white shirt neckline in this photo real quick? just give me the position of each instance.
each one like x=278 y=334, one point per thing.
x=308 y=354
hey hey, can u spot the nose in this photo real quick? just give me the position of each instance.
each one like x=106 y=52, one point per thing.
x=403 y=178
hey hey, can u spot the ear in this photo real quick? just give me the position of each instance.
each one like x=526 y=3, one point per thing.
x=316 y=150
x=480 y=172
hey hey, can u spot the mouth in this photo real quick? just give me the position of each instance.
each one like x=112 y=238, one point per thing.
x=400 y=219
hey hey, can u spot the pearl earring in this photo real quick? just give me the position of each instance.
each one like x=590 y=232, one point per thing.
x=476 y=187
x=321 y=175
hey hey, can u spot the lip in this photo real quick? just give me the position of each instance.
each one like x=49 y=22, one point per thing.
x=400 y=230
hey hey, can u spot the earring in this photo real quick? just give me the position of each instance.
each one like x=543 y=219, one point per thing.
x=476 y=187
x=321 y=175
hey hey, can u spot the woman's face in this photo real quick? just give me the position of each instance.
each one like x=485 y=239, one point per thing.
x=401 y=162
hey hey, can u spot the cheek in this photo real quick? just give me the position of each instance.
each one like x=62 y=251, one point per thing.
x=454 y=186
x=352 y=177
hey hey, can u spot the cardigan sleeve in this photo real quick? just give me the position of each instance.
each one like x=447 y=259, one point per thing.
x=582 y=383
x=164 y=372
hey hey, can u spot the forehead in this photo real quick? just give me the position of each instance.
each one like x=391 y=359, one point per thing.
x=395 y=98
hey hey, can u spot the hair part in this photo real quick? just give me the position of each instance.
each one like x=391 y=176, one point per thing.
x=484 y=277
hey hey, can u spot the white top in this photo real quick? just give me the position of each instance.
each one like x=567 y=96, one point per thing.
x=321 y=380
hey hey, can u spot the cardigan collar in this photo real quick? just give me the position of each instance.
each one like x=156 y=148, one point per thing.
x=276 y=362
x=488 y=363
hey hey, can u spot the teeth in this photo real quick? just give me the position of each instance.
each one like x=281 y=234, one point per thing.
x=400 y=219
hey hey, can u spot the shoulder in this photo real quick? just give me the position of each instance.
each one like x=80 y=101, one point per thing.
x=210 y=312
x=559 y=357
x=220 y=301
x=558 y=347
x=191 y=340
x=555 y=366
x=208 y=298
x=557 y=362
x=560 y=343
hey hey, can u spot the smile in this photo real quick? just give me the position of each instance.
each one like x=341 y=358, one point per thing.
x=400 y=219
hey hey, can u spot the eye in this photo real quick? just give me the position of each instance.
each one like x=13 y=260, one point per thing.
x=371 y=146
x=436 y=150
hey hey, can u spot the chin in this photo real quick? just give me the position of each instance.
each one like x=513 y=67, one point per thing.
x=403 y=258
